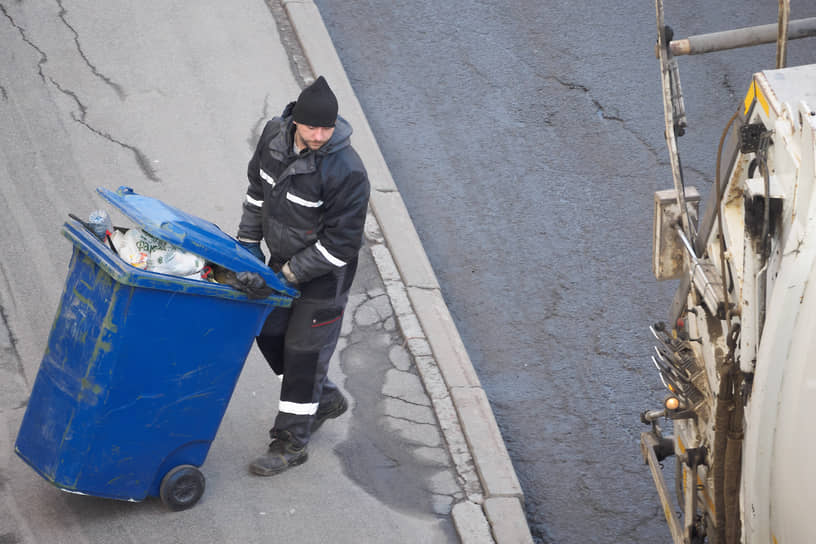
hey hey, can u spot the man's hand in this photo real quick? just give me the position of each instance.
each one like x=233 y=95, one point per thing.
x=288 y=274
x=283 y=280
x=254 y=248
x=252 y=284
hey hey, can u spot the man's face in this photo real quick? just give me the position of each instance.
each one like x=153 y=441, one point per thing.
x=312 y=137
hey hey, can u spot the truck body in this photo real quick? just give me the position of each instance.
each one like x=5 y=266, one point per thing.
x=737 y=353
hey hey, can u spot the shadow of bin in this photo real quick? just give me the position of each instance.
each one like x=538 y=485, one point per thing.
x=139 y=366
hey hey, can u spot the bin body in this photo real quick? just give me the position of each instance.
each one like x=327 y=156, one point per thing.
x=137 y=375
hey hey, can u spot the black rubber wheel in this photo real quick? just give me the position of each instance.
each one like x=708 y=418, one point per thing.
x=182 y=487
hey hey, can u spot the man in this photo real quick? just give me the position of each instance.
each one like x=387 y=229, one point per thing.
x=307 y=199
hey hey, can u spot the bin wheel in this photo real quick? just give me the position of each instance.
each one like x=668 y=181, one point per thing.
x=182 y=487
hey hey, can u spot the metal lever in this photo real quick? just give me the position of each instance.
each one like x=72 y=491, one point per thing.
x=701 y=274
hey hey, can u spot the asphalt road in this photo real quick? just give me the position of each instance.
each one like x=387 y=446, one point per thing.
x=526 y=140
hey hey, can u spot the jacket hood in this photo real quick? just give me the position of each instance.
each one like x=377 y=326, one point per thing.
x=341 y=137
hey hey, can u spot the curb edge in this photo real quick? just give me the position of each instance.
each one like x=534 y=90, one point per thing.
x=417 y=281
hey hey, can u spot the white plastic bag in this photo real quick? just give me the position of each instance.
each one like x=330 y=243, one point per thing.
x=140 y=249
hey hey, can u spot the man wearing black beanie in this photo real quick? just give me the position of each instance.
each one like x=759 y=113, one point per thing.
x=316 y=106
x=307 y=199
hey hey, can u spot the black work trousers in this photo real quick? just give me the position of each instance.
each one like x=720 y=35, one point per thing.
x=298 y=343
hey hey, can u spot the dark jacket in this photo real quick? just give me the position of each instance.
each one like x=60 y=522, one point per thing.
x=310 y=208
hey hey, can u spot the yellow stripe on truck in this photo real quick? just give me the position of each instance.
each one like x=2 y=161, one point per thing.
x=754 y=91
x=749 y=98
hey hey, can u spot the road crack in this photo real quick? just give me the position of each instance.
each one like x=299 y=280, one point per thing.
x=406 y=401
x=256 y=131
x=600 y=110
x=411 y=421
x=141 y=159
x=115 y=86
x=12 y=340
x=726 y=83
x=21 y=30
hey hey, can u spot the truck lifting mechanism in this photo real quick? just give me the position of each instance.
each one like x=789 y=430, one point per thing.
x=735 y=353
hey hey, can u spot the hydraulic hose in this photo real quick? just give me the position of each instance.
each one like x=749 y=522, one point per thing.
x=720 y=220
x=721 y=423
x=733 y=468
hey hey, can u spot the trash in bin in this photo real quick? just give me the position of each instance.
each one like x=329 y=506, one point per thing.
x=140 y=249
x=100 y=223
x=140 y=367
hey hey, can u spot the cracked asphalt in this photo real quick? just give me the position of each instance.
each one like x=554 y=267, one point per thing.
x=169 y=99
x=526 y=140
x=80 y=114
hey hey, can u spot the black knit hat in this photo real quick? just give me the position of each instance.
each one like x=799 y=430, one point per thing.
x=316 y=106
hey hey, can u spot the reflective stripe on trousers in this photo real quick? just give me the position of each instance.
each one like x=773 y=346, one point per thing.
x=298 y=342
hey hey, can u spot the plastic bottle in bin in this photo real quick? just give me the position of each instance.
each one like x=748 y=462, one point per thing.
x=100 y=223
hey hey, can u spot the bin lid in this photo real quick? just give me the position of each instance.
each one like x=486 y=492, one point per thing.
x=191 y=234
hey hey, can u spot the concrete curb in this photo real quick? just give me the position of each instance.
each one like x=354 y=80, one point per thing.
x=493 y=510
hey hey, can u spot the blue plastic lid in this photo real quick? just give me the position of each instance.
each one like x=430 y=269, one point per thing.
x=191 y=234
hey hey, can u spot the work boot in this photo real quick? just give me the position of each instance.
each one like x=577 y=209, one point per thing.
x=283 y=453
x=330 y=409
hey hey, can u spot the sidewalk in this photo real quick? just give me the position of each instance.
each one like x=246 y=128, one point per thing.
x=418 y=457
x=461 y=406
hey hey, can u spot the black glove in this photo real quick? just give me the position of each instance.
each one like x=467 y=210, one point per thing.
x=254 y=248
x=250 y=283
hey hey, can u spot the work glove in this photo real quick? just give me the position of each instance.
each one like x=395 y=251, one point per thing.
x=254 y=248
x=252 y=284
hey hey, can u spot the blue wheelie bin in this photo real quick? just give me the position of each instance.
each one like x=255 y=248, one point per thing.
x=139 y=366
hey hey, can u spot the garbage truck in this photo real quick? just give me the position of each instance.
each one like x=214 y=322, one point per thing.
x=737 y=350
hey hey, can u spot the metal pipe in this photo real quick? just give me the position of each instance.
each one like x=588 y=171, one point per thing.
x=759 y=307
x=741 y=37
x=688 y=245
x=690 y=506
x=782 y=34
x=647 y=443
x=668 y=116
x=652 y=415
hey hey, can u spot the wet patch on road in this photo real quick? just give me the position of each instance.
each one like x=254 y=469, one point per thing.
x=395 y=450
